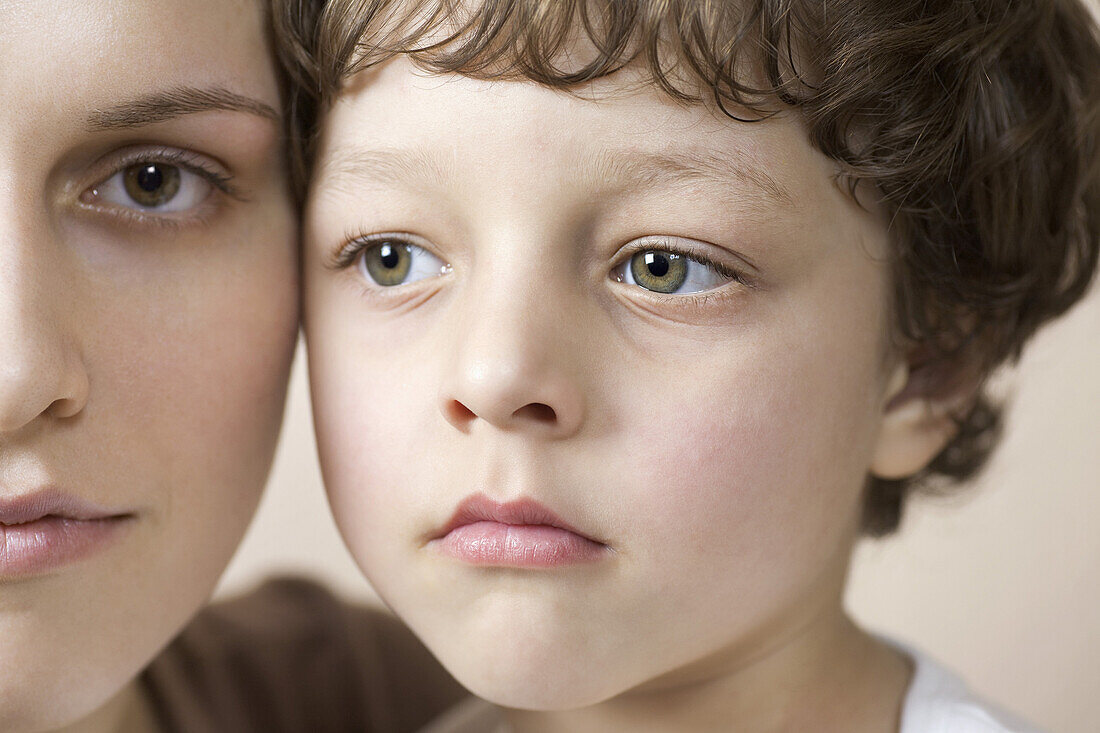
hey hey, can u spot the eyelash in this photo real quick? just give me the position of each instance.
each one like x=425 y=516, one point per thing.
x=656 y=245
x=401 y=296
x=354 y=244
x=185 y=160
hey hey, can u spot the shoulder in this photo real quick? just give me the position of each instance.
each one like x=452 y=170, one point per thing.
x=939 y=702
x=291 y=656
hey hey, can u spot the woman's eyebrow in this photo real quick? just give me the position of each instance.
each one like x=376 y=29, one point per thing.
x=175 y=102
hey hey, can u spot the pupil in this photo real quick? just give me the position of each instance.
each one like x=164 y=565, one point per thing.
x=150 y=178
x=389 y=256
x=657 y=264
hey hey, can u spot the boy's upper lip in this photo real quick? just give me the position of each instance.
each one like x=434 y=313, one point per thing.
x=51 y=501
x=523 y=511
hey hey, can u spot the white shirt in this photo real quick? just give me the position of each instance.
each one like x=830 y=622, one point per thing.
x=937 y=701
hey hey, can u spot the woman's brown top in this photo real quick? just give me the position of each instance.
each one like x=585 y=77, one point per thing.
x=290 y=657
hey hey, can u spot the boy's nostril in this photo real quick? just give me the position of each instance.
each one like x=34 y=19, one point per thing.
x=537 y=412
x=458 y=413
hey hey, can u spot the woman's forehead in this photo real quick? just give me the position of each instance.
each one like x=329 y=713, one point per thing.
x=88 y=54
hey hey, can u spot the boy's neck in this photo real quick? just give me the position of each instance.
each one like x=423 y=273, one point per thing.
x=828 y=676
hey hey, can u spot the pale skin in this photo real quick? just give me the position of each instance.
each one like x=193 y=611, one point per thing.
x=715 y=439
x=146 y=342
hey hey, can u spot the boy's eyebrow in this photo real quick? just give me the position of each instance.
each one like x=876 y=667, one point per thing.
x=629 y=168
x=413 y=166
x=672 y=167
x=175 y=102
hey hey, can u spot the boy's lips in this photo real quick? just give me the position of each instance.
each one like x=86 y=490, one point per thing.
x=45 y=529
x=519 y=534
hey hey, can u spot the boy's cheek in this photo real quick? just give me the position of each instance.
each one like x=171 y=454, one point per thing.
x=743 y=502
x=762 y=423
x=376 y=454
x=736 y=475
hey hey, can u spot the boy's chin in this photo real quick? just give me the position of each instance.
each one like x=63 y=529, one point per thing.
x=527 y=641
x=540 y=691
x=519 y=679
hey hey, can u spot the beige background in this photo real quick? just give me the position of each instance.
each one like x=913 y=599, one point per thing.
x=1001 y=582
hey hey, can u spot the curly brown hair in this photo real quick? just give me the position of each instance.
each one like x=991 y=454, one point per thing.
x=976 y=121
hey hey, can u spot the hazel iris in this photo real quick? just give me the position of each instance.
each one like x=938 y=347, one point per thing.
x=661 y=272
x=152 y=184
x=388 y=263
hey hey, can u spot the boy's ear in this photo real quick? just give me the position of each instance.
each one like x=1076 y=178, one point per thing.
x=917 y=423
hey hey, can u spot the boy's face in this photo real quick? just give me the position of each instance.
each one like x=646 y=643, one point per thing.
x=708 y=446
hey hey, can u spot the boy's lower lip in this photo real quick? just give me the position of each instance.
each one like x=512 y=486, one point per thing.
x=41 y=545
x=496 y=544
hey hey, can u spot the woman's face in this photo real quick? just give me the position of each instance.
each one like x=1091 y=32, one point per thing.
x=148 y=309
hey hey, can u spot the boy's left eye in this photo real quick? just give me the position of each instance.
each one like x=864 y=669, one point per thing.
x=155 y=187
x=662 y=271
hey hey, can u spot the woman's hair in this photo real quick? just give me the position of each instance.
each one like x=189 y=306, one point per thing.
x=977 y=123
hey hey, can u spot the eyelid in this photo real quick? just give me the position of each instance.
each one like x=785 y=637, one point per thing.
x=691 y=249
x=211 y=171
x=355 y=243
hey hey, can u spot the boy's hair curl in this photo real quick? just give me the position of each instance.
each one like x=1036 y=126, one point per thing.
x=977 y=123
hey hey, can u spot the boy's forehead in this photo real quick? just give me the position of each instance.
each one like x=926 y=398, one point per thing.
x=629 y=99
x=399 y=121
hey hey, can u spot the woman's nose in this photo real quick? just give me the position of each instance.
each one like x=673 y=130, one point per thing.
x=41 y=370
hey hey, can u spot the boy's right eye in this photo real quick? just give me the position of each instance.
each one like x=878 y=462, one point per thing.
x=391 y=262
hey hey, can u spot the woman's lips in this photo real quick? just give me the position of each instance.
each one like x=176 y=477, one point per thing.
x=516 y=534
x=43 y=531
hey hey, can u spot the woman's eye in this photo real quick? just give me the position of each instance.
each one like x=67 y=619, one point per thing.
x=392 y=263
x=153 y=187
x=668 y=272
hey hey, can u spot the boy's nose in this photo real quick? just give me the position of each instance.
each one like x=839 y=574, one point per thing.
x=517 y=368
x=41 y=371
